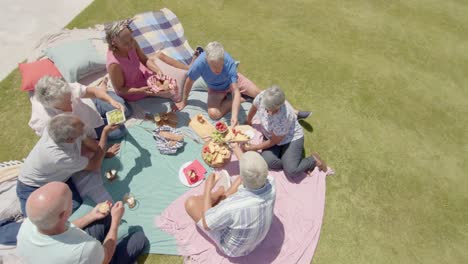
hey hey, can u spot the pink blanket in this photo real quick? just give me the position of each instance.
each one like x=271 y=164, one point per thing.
x=293 y=236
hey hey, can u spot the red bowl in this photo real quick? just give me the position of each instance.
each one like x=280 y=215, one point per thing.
x=221 y=127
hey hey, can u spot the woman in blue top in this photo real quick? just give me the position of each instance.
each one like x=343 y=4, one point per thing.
x=219 y=71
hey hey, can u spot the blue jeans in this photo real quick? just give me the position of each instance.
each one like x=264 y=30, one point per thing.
x=128 y=248
x=103 y=107
x=24 y=191
x=289 y=158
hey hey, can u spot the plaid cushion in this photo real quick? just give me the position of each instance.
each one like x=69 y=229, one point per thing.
x=161 y=30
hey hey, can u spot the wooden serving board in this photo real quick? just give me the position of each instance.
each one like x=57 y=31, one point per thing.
x=203 y=130
x=230 y=136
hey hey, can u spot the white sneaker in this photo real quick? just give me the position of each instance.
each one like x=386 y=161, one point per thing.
x=224 y=179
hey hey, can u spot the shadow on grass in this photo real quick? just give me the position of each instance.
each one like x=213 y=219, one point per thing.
x=143 y=258
x=308 y=127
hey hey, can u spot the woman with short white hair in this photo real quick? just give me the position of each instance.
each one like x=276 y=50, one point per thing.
x=284 y=138
x=221 y=214
x=54 y=96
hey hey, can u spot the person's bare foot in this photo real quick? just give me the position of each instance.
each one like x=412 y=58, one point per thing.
x=113 y=150
x=319 y=162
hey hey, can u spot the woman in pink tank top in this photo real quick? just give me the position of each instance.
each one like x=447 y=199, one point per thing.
x=129 y=68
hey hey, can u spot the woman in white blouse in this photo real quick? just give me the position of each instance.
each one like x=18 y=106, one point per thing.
x=283 y=146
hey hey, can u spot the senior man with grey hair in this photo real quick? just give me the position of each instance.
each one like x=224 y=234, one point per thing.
x=237 y=219
x=58 y=156
x=283 y=146
x=219 y=70
x=47 y=236
x=53 y=96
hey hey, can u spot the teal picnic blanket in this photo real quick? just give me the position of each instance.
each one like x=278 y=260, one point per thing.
x=153 y=177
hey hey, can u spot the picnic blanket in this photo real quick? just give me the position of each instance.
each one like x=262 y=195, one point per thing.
x=151 y=176
x=161 y=30
x=293 y=235
x=9 y=203
x=153 y=180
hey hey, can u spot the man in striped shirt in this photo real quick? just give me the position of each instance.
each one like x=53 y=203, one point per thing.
x=239 y=218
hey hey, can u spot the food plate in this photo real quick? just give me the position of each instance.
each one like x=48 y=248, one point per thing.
x=242 y=133
x=250 y=133
x=115 y=117
x=182 y=177
x=219 y=153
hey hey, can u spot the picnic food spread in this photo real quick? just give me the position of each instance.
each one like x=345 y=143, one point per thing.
x=111 y=175
x=239 y=135
x=161 y=82
x=105 y=207
x=171 y=136
x=216 y=154
x=168 y=139
x=201 y=119
x=169 y=119
x=193 y=175
x=130 y=200
x=115 y=116
x=201 y=126
x=221 y=127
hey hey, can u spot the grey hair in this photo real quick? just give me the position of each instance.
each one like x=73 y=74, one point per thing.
x=214 y=51
x=273 y=98
x=51 y=90
x=253 y=170
x=62 y=127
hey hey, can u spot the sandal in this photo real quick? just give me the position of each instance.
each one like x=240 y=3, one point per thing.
x=199 y=50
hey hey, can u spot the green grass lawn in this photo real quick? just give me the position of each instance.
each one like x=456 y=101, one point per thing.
x=387 y=82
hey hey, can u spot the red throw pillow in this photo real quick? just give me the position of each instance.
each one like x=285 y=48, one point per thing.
x=32 y=72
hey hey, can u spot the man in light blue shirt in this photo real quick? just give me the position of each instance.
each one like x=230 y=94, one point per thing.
x=240 y=222
x=47 y=236
x=219 y=70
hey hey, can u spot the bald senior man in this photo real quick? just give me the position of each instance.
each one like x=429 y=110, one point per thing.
x=47 y=236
